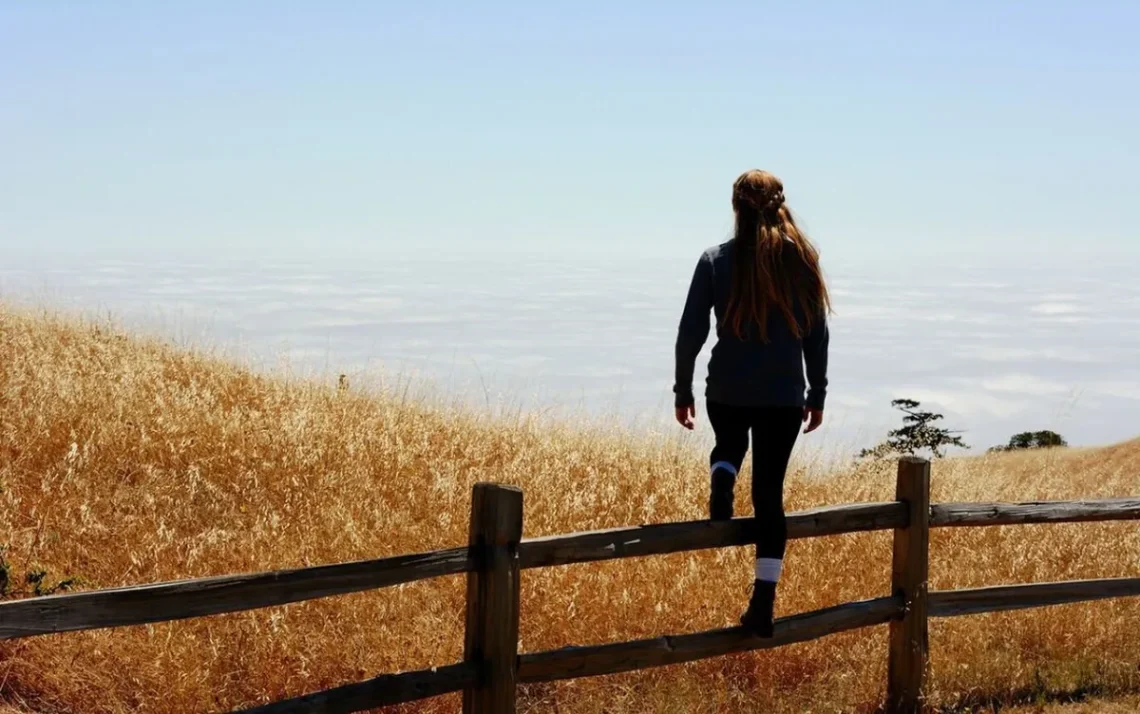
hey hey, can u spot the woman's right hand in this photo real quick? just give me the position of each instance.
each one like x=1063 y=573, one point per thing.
x=686 y=415
x=813 y=418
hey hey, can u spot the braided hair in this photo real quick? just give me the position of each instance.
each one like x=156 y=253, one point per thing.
x=776 y=267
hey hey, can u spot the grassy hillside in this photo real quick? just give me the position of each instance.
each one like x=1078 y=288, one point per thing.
x=126 y=461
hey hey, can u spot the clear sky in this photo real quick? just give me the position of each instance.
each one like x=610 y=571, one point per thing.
x=281 y=127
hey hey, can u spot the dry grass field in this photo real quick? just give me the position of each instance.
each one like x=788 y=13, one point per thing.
x=125 y=460
x=1125 y=705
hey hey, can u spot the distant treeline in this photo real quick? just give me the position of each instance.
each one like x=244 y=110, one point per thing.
x=921 y=434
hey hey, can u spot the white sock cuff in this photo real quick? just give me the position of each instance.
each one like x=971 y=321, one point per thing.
x=723 y=465
x=769 y=569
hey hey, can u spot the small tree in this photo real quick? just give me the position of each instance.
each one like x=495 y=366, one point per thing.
x=918 y=433
x=1033 y=440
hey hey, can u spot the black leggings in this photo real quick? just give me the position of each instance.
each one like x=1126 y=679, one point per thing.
x=774 y=433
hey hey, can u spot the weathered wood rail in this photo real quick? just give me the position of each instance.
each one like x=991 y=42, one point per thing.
x=496 y=554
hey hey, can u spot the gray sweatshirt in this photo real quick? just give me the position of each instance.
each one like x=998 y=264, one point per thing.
x=746 y=372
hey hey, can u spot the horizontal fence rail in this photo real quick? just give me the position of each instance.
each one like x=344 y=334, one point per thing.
x=574 y=662
x=665 y=538
x=162 y=602
x=382 y=691
x=951 y=603
x=495 y=555
x=142 y=604
x=181 y=599
x=1004 y=514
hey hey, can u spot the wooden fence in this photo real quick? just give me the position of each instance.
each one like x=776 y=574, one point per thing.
x=492 y=667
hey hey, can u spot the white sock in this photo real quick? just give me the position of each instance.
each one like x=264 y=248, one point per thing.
x=724 y=466
x=768 y=569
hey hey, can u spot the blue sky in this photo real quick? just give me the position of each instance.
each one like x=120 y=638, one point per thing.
x=437 y=127
x=286 y=177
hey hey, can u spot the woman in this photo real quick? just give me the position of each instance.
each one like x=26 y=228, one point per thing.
x=771 y=304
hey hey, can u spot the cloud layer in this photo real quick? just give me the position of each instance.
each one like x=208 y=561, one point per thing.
x=998 y=349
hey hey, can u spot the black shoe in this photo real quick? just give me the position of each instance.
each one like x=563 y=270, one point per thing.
x=758 y=618
x=721 y=497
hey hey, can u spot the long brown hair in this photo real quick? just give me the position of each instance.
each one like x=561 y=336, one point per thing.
x=775 y=265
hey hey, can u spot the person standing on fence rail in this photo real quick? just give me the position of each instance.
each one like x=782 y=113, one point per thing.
x=771 y=303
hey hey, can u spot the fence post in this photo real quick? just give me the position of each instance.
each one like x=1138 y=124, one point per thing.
x=909 y=574
x=492 y=635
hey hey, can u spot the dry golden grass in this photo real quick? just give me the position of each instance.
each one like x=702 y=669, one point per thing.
x=1128 y=705
x=124 y=461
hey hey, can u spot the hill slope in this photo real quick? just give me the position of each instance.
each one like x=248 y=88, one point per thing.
x=124 y=460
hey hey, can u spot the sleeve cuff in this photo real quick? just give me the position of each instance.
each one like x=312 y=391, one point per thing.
x=683 y=398
x=816 y=399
